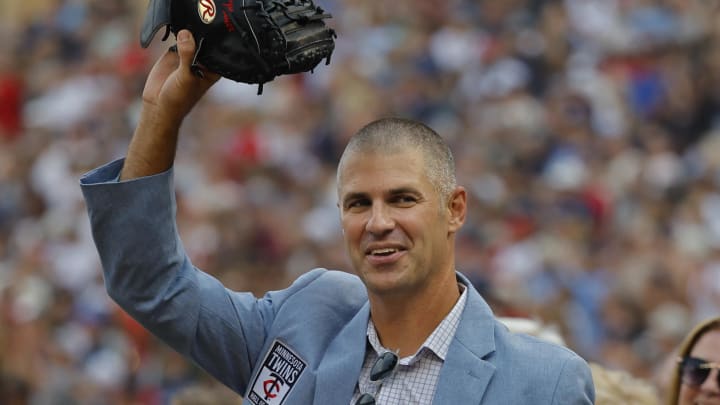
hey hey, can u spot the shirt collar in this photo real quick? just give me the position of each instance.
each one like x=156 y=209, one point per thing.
x=439 y=340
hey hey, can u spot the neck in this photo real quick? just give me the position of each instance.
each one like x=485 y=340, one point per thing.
x=404 y=321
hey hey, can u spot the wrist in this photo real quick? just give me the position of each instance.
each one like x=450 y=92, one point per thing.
x=158 y=119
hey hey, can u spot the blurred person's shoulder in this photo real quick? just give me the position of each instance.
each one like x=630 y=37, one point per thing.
x=541 y=344
x=621 y=387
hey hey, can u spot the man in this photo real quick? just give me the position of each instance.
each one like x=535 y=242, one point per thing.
x=409 y=330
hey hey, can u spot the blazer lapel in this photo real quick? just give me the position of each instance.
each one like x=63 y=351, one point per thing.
x=465 y=374
x=339 y=369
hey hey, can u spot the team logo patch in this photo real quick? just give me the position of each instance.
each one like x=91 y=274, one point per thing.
x=206 y=9
x=280 y=370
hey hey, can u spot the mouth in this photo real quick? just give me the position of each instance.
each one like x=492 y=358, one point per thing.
x=384 y=255
x=382 y=252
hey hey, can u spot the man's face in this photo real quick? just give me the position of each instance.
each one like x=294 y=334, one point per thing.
x=707 y=348
x=398 y=231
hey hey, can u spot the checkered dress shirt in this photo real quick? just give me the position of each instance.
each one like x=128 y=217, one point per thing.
x=414 y=380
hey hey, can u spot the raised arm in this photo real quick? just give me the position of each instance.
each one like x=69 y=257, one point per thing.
x=170 y=93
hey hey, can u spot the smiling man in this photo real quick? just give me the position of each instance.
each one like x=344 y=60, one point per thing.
x=408 y=329
x=400 y=208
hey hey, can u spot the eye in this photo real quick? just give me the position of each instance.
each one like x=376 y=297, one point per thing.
x=357 y=203
x=404 y=200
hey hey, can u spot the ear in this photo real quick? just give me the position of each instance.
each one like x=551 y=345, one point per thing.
x=457 y=209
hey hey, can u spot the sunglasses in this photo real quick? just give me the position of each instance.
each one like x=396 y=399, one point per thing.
x=694 y=371
x=383 y=367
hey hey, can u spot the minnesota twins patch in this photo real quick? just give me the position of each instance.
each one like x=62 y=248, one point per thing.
x=280 y=370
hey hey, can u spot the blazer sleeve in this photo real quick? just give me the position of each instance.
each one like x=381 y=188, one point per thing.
x=575 y=384
x=147 y=272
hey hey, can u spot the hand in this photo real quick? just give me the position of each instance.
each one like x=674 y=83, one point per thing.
x=172 y=89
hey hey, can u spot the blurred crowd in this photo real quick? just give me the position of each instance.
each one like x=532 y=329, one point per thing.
x=586 y=131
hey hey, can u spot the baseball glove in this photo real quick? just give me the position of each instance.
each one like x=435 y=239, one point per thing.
x=249 y=41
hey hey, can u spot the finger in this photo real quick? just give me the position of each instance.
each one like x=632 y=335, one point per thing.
x=167 y=62
x=185 y=49
x=164 y=66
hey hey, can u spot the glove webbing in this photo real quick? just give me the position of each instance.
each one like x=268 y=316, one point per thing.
x=254 y=52
x=302 y=19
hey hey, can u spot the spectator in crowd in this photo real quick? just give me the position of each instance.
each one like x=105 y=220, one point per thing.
x=697 y=372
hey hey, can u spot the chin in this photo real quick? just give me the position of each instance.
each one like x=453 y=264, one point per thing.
x=385 y=285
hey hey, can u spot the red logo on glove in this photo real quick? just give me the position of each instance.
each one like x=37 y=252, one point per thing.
x=206 y=9
x=227 y=9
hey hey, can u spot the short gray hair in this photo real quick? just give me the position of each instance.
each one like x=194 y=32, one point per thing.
x=390 y=135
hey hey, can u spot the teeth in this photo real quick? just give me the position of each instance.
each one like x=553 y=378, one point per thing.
x=385 y=251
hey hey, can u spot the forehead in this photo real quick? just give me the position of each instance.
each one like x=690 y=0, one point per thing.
x=708 y=346
x=378 y=169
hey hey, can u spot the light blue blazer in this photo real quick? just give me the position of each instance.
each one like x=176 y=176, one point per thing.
x=304 y=344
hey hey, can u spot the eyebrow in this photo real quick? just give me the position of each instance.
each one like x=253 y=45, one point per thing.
x=405 y=190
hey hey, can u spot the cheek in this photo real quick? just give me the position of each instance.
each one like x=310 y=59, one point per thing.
x=351 y=231
x=687 y=395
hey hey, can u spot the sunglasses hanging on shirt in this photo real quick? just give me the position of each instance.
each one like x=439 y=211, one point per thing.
x=381 y=369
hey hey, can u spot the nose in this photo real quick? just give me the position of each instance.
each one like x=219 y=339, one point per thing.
x=380 y=221
x=712 y=382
